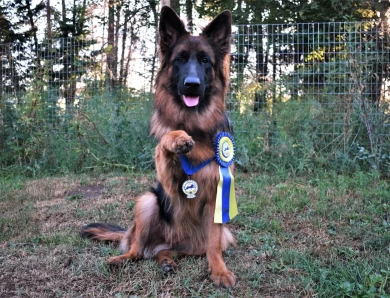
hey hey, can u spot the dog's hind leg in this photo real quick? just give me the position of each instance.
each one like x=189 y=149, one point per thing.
x=130 y=246
x=145 y=235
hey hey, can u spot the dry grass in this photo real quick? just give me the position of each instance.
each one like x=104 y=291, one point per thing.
x=288 y=231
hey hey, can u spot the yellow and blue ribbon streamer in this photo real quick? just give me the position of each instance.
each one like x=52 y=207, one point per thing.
x=226 y=204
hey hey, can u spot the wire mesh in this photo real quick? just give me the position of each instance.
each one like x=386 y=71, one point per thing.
x=340 y=69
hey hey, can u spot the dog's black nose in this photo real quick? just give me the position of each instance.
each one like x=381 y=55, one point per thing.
x=191 y=82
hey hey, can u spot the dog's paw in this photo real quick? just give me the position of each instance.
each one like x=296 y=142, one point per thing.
x=168 y=266
x=115 y=260
x=226 y=279
x=182 y=143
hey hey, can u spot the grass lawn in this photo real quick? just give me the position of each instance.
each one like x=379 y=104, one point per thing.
x=323 y=235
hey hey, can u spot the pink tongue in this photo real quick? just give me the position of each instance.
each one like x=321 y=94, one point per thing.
x=191 y=101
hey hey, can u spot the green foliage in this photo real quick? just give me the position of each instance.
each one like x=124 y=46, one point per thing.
x=373 y=285
x=109 y=130
x=119 y=121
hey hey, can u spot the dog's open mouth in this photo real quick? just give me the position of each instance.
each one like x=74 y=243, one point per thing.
x=191 y=100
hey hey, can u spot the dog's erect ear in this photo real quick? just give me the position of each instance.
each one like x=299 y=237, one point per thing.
x=219 y=30
x=171 y=28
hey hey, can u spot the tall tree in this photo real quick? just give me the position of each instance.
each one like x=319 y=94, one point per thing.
x=72 y=37
x=7 y=63
x=29 y=13
x=19 y=44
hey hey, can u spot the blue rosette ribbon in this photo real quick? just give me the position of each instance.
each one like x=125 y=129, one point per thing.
x=226 y=204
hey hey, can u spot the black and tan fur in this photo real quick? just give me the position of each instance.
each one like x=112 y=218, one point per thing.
x=166 y=222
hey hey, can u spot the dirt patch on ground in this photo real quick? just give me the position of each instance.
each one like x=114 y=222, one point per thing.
x=48 y=188
x=87 y=192
x=65 y=204
x=307 y=236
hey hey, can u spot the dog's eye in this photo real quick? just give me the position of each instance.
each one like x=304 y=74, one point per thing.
x=180 y=59
x=205 y=60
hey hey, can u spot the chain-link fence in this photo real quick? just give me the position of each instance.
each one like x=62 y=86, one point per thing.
x=297 y=90
x=321 y=86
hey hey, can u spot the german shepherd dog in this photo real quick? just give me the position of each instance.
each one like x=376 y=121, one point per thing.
x=188 y=114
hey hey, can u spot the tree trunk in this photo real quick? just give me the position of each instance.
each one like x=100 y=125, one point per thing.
x=130 y=50
x=380 y=35
x=175 y=5
x=116 y=44
x=190 y=24
x=110 y=44
x=34 y=29
x=72 y=49
x=63 y=14
x=261 y=70
x=155 y=18
x=48 y=20
x=124 y=38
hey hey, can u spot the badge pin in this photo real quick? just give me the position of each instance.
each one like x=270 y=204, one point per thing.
x=190 y=188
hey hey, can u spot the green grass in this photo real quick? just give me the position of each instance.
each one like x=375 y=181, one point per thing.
x=323 y=235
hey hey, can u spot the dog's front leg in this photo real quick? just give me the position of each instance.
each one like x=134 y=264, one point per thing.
x=220 y=275
x=177 y=141
x=167 y=160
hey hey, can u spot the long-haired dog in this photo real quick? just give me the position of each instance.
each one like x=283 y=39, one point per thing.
x=188 y=114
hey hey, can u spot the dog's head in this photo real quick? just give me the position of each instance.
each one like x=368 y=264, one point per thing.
x=196 y=64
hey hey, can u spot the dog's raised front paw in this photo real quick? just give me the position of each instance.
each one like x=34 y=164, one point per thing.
x=183 y=143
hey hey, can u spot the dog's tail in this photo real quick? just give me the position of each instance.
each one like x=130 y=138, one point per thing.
x=103 y=232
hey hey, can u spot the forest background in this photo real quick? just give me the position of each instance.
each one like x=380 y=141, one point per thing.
x=309 y=83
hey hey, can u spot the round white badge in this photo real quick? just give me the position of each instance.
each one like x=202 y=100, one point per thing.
x=190 y=188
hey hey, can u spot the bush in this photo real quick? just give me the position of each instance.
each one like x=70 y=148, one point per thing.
x=107 y=129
